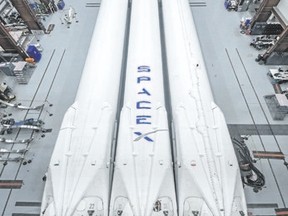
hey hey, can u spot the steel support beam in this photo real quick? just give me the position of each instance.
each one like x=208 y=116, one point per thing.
x=281 y=44
x=264 y=11
x=27 y=15
x=9 y=44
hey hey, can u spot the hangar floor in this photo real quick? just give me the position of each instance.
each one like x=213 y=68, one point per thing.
x=239 y=85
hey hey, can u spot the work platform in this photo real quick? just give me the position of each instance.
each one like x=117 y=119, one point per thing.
x=239 y=85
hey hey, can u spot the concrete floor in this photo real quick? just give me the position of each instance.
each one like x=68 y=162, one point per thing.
x=237 y=81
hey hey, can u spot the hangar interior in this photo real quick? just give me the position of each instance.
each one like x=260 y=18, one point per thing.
x=43 y=48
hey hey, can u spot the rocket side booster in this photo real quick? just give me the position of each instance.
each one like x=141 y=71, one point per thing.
x=208 y=176
x=143 y=181
x=78 y=178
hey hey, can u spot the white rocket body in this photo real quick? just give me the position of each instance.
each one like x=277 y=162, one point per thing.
x=78 y=175
x=208 y=176
x=143 y=182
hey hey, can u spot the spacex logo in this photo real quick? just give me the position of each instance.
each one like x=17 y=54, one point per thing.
x=142 y=79
x=144 y=69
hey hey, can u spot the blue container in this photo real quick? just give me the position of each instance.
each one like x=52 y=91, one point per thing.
x=226 y=4
x=34 y=53
x=33 y=6
x=61 y=5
